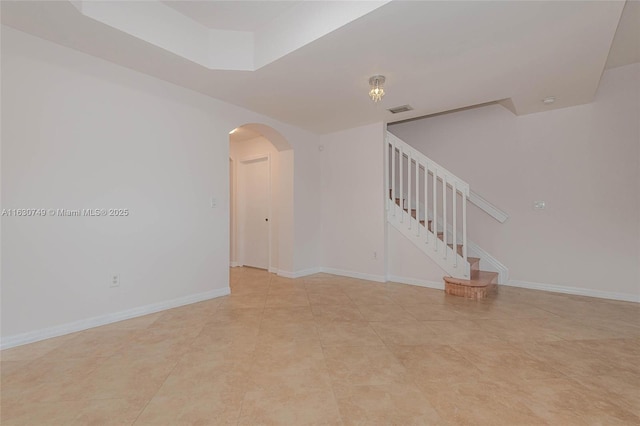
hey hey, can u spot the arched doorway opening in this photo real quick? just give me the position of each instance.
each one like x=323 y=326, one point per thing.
x=261 y=198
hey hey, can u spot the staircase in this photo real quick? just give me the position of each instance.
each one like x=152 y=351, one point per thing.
x=428 y=205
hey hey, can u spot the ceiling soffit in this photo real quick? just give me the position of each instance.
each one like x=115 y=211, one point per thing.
x=221 y=49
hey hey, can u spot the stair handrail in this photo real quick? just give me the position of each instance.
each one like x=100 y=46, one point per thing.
x=399 y=148
x=475 y=198
x=462 y=186
x=490 y=209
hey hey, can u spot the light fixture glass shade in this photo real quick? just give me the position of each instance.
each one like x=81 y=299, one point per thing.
x=377 y=87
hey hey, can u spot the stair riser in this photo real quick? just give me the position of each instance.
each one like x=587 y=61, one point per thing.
x=474 y=293
x=474 y=263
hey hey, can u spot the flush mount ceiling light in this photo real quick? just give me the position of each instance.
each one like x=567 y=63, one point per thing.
x=549 y=100
x=377 y=87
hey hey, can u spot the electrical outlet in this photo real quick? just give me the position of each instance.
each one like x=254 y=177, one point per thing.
x=214 y=203
x=114 y=280
x=375 y=254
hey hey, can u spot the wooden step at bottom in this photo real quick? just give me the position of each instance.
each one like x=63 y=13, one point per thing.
x=474 y=262
x=481 y=284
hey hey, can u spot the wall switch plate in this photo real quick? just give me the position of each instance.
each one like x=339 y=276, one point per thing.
x=539 y=205
x=114 y=280
x=214 y=203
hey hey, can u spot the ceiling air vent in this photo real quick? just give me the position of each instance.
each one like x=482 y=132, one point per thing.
x=399 y=109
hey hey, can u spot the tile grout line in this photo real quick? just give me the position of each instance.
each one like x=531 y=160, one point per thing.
x=156 y=392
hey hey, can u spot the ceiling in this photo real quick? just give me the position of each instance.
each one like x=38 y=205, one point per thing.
x=232 y=15
x=311 y=61
x=625 y=49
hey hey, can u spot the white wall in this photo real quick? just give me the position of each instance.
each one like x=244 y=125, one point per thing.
x=79 y=132
x=582 y=161
x=353 y=215
x=409 y=265
x=307 y=206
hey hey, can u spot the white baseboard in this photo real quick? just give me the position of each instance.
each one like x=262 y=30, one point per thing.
x=298 y=274
x=309 y=271
x=579 y=291
x=362 y=276
x=72 y=327
x=353 y=274
x=319 y=269
x=234 y=264
x=417 y=282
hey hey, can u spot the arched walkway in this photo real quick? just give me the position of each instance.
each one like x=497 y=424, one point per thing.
x=248 y=144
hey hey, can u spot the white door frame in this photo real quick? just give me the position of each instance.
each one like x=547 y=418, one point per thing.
x=233 y=214
x=241 y=206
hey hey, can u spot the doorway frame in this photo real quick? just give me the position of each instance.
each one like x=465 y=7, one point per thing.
x=233 y=214
x=240 y=194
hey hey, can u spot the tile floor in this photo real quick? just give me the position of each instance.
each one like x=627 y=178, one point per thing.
x=332 y=350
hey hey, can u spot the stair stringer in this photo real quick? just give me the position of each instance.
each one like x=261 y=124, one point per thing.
x=488 y=262
x=426 y=241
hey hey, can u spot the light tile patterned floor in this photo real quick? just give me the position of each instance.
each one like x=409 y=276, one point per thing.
x=333 y=350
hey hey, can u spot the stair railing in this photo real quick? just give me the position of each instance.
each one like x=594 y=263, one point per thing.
x=427 y=201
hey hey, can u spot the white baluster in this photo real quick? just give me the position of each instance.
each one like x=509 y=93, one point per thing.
x=393 y=177
x=464 y=232
x=409 y=189
x=435 y=208
x=417 y=197
x=444 y=214
x=454 y=217
x=401 y=186
x=387 y=184
x=426 y=210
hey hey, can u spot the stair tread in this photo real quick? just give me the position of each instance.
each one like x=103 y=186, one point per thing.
x=480 y=279
x=473 y=260
x=458 y=248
